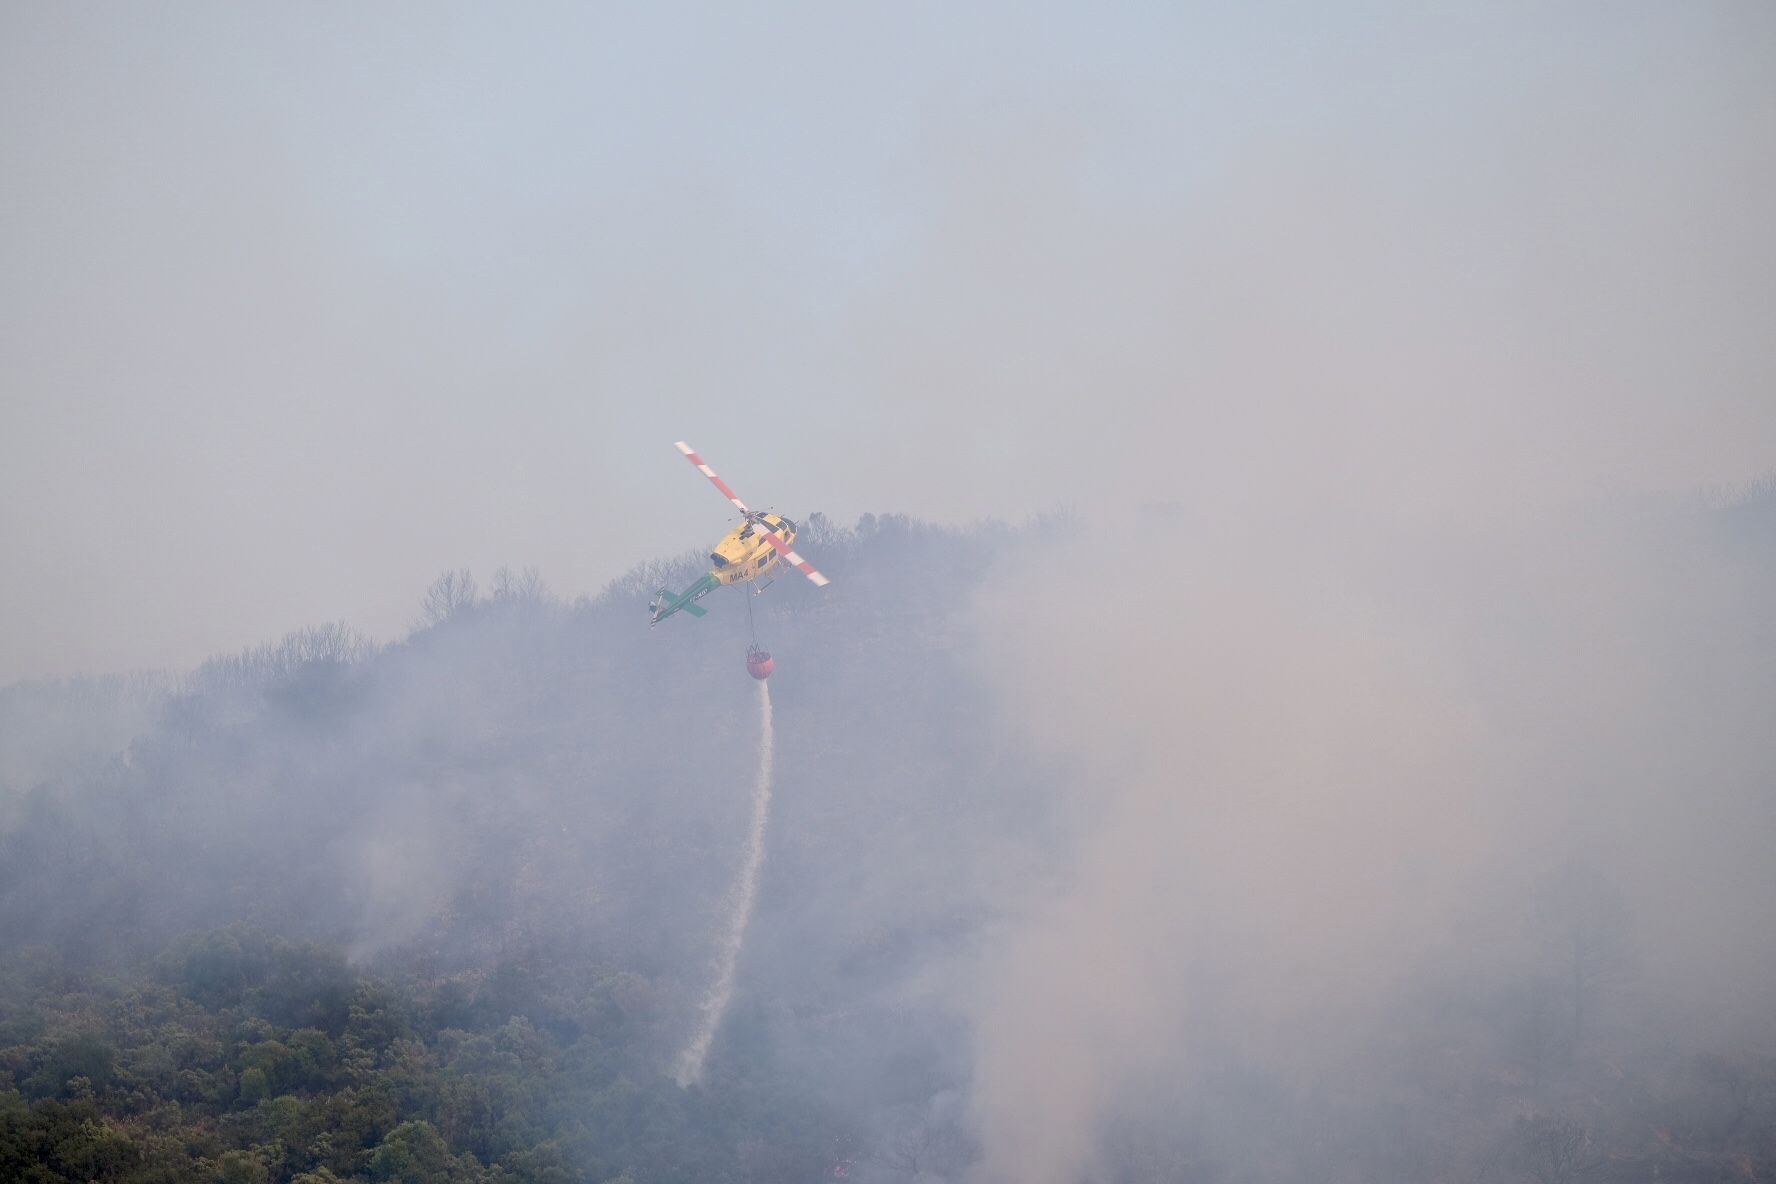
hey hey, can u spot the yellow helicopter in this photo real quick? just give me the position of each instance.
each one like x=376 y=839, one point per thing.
x=745 y=553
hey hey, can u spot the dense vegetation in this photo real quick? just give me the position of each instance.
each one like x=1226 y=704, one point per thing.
x=241 y=1058
x=238 y=1057
x=442 y=910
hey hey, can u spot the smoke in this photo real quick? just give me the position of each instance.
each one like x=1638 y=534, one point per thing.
x=1327 y=765
x=740 y=900
x=1365 y=307
x=1374 y=661
x=68 y=729
x=1261 y=823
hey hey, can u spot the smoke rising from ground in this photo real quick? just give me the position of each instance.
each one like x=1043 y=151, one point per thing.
x=1388 y=723
x=1321 y=849
x=1332 y=771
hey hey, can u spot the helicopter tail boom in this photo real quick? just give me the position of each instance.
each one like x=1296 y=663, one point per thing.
x=667 y=603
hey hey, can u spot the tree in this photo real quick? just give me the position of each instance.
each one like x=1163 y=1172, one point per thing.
x=335 y=642
x=1555 y=1149
x=413 y=1153
x=253 y=1085
x=925 y=1147
x=241 y=1167
x=516 y=587
x=81 y=1057
x=449 y=594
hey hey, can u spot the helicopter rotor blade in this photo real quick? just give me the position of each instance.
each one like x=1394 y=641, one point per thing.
x=770 y=536
x=691 y=455
x=796 y=561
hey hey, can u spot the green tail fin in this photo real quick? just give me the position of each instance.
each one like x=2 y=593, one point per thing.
x=668 y=603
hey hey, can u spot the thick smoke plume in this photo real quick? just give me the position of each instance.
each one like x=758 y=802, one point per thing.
x=1327 y=783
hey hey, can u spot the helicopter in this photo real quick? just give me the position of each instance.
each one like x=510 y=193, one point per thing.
x=750 y=550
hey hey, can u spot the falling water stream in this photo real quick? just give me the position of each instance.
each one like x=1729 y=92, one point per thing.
x=739 y=904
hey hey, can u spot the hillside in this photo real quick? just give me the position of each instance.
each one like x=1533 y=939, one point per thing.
x=443 y=909
x=523 y=819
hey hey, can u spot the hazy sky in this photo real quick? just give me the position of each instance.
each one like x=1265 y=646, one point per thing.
x=300 y=305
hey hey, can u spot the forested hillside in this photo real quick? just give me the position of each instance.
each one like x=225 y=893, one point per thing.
x=442 y=910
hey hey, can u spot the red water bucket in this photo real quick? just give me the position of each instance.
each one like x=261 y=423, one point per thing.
x=758 y=663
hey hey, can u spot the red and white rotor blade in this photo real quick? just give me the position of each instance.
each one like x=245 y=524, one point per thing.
x=795 y=560
x=691 y=455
